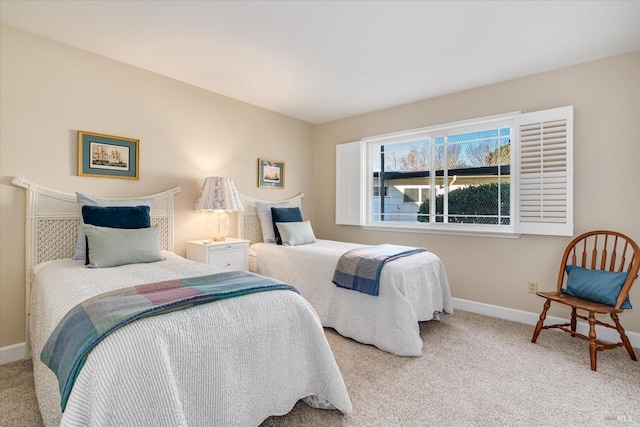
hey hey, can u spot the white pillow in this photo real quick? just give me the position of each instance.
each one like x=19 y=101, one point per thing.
x=266 y=220
x=110 y=247
x=296 y=233
x=87 y=200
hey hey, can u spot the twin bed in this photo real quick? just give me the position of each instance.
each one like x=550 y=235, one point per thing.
x=236 y=361
x=412 y=289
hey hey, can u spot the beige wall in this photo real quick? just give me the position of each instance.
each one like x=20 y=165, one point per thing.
x=50 y=91
x=606 y=99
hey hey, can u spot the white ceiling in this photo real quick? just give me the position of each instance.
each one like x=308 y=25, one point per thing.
x=323 y=60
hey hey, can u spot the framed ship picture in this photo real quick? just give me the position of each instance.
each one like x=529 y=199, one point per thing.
x=270 y=173
x=107 y=156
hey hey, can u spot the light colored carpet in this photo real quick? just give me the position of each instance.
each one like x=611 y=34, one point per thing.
x=18 y=405
x=475 y=370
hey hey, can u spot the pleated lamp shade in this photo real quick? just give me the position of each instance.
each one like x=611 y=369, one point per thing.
x=218 y=195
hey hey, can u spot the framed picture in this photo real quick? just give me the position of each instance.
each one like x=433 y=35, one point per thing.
x=108 y=156
x=270 y=173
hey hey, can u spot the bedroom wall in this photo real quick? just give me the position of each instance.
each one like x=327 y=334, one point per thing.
x=606 y=99
x=50 y=91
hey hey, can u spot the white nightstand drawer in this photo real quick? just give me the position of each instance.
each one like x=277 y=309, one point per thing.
x=231 y=254
x=230 y=259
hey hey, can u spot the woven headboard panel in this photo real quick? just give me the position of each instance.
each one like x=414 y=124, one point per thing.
x=52 y=219
x=56 y=237
x=248 y=221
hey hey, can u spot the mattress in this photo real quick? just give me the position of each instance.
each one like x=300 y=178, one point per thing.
x=412 y=289
x=231 y=362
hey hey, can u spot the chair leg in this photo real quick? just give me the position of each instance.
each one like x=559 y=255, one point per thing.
x=623 y=336
x=593 y=347
x=543 y=315
x=573 y=321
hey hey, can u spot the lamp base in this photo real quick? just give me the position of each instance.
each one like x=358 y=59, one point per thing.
x=218 y=225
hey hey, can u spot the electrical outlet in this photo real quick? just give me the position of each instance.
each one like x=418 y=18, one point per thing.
x=533 y=287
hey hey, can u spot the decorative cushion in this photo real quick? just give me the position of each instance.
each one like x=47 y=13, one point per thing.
x=111 y=247
x=266 y=220
x=116 y=217
x=284 y=215
x=296 y=233
x=88 y=200
x=596 y=285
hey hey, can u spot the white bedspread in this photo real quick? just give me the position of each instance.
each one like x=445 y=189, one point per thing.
x=233 y=362
x=412 y=289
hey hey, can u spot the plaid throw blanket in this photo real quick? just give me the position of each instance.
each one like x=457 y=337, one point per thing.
x=90 y=322
x=359 y=269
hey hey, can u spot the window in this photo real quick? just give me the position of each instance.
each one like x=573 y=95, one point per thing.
x=376 y=191
x=505 y=174
x=411 y=195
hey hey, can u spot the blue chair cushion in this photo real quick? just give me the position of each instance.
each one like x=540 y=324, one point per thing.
x=596 y=285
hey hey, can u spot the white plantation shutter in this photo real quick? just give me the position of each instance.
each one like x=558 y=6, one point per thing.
x=349 y=174
x=545 y=172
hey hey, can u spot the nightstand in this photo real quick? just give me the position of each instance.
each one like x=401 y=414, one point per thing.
x=230 y=254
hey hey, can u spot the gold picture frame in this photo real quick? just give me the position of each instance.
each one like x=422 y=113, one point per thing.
x=108 y=156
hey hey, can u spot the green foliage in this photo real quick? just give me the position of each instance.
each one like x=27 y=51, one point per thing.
x=474 y=200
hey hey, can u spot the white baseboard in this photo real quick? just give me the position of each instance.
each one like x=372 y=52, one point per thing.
x=17 y=351
x=528 y=318
x=11 y=353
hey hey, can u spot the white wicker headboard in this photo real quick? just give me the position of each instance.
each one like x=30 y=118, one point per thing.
x=52 y=220
x=248 y=222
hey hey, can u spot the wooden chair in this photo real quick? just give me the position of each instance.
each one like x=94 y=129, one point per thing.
x=595 y=250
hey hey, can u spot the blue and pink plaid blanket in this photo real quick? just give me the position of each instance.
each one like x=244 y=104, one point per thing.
x=359 y=269
x=90 y=322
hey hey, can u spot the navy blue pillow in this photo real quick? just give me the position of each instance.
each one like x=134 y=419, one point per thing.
x=116 y=217
x=284 y=215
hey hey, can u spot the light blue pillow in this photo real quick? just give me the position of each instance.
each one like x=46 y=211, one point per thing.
x=284 y=215
x=596 y=285
x=88 y=200
x=266 y=220
x=110 y=247
x=296 y=233
x=116 y=217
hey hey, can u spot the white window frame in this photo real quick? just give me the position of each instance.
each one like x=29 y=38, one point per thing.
x=545 y=190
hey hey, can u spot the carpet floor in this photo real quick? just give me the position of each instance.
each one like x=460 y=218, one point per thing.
x=474 y=371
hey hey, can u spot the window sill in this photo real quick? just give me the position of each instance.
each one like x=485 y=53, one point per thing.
x=443 y=229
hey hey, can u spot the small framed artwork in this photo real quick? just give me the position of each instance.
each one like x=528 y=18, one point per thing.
x=108 y=156
x=270 y=173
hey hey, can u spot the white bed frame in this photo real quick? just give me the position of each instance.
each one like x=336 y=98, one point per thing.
x=52 y=220
x=248 y=221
